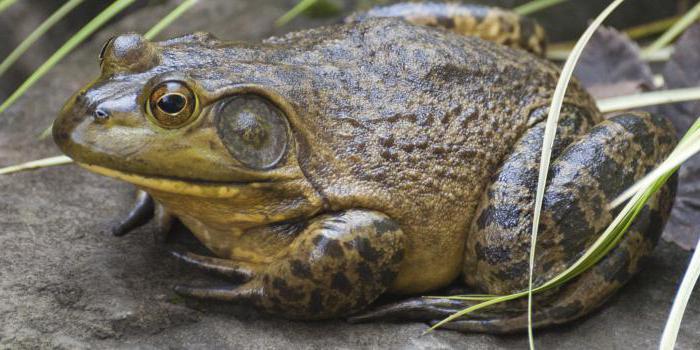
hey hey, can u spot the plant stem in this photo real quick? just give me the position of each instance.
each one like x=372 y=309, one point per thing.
x=648 y=99
x=5 y=4
x=169 y=18
x=37 y=33
x=113 y=9
x=302 y=6
x=41 y=163
x=668 y=339
x=675 y=30
x=534 y=6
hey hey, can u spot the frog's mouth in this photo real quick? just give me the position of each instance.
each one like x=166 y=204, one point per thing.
x=206 y=190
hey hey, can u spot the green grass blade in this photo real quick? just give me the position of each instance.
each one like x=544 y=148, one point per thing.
x=41 y=163
x=548 y=142
x=666 y=38
x=648 y=99
x=37 y=33
x=668 y=339
x=169 y=18
x=534 y=6
x=302 y=6
x=5 y=4
x=113 y=9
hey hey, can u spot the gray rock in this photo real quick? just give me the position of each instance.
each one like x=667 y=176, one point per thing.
x=65 y=283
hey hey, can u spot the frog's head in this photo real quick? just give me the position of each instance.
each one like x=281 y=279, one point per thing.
x=167 y=115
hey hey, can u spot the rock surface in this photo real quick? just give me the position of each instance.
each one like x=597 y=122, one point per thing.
x=65 y=283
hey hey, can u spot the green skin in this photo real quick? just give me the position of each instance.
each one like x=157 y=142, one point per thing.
x=333 y=165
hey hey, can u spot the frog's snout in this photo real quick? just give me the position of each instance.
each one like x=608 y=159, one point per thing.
x=74 y=126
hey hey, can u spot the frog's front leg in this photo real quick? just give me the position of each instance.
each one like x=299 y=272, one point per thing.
x=145 y=209
x=337 y=265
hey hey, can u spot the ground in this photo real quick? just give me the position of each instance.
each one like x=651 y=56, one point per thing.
x=65 y=283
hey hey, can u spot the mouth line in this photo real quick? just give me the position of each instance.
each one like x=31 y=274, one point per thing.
x=195 y=188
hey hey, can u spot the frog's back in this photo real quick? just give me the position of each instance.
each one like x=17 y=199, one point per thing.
x=412 y=121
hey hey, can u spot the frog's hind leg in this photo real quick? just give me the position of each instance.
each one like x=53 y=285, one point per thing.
x=336 y=265
x=489 y=23
x=585 y=177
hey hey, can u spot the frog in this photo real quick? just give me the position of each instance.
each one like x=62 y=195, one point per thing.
x=348 y=170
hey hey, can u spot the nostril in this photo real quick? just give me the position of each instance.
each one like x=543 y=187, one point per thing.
x=100 y=115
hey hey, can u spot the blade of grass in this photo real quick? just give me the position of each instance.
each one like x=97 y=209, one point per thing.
x=169 y=18
x=5 y=4
x=41 y=163
x=668 y=339
x=302 y=6
x=37 y=33
x=548 y=142
x=113 y=9
x=648 y=99
x=675 y=30
x=651 y=28
x=534 y=6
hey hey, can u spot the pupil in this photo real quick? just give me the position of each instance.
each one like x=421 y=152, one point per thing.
x=171 y=104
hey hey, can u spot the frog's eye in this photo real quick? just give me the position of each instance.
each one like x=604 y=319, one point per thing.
x=253 y=130
x=172 y=104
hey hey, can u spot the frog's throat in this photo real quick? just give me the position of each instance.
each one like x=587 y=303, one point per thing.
x=169 y=185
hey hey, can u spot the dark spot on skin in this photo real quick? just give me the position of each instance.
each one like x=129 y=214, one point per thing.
x=365 y=249
x=341 y=283
x=504 y=215
x=386 y=141
x=445 y=22
x=384 y=226
x=329 y=246
x=493 y=255
x=365 y=272
x=315 y=302
x=513 y=271
x=300 y=269
x=285 y=291
x=397 y=257
x=387 y=276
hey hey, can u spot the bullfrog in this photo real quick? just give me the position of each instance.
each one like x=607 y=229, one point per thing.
x=394 y=154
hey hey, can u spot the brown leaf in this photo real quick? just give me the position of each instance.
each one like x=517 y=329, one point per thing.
x=610 y=66
x=682 y=72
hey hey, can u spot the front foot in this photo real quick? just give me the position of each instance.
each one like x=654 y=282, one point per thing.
x=143 y=211
x=338 y=265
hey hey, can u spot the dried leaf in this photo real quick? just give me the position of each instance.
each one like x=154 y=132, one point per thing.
x=681 y=72
x=611 y=66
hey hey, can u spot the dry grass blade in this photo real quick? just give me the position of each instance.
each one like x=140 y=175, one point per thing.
x=668 y=339
x=604 y=242
x=113 y=9
x=41 y=163
x=548 y=142
x=648 y=99
x=675 y=30
x=37 y=33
